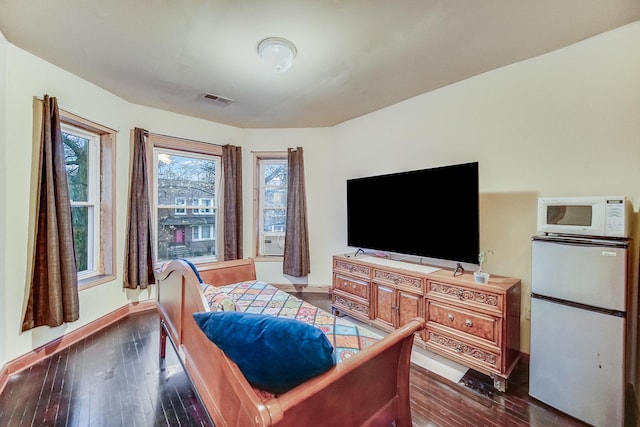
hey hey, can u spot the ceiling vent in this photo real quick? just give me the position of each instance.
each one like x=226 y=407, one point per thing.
x=219 y=99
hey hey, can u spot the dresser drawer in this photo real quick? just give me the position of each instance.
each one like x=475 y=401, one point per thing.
x=472 y=297
x=397 y=279
x=475 y=324
x=465 y=352
x=351 y=269
x=356 y=308
x=351 y=286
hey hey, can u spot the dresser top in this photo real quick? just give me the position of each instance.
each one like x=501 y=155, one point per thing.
x=433 y=273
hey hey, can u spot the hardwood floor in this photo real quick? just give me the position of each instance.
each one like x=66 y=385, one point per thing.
x=115 y=378
x=112 y=378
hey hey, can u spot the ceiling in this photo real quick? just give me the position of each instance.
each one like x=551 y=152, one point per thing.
x=354 y=56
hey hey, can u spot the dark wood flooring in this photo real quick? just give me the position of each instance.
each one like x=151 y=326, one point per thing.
x=115 y=378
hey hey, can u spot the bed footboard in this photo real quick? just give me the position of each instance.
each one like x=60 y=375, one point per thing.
x=370 y=389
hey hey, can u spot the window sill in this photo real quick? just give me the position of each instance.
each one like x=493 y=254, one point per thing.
x=94 y=281
x=262 y=258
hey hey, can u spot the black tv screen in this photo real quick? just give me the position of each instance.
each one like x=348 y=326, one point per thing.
x=428 y=213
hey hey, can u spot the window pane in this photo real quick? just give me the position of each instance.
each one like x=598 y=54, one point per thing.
x=271 y=206
x=275 y=198
x=275 y=174
x=274 y=220
x=76 y=154
x=185 y=235
x=80 y=218
x=185 y=177
x=189 y=181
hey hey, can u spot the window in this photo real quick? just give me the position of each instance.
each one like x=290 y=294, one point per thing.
x=202 y=232
x=271 y=207
x=82 y=154
x=202 y=202
x=185 y=194
x=181 y=201
x=89 y=162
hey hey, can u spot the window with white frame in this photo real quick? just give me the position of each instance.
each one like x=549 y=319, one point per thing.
x=271 y=207
x=202 y=202
x=89 y=163
x=186 y=180
x=202 y=232
x=181 y=201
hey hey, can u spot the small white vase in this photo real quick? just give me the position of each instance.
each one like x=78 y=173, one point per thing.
x=481 y=277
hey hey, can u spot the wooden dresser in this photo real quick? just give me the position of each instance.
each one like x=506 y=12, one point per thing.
x=476 y=325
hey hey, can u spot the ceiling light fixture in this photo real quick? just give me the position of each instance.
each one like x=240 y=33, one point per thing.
x=277 y=53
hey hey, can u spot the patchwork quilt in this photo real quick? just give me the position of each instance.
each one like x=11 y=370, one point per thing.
x=262 y=298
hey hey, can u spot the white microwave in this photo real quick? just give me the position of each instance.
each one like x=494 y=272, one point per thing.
x=606 y=216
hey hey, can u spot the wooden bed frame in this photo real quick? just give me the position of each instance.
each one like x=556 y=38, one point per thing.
x=369 y=389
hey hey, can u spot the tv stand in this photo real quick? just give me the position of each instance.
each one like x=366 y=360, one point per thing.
x=476 y=325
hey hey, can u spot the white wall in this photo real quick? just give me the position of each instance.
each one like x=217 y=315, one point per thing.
x=27 y=77
x=3 y=183
x=565 y=123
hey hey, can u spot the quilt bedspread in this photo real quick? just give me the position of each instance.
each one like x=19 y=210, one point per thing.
x=262 y=298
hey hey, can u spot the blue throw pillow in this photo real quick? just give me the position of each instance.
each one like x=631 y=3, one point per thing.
x=274 y=354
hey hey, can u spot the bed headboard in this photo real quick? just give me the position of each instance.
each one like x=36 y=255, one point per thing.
x=173 y=287
x=219 y=274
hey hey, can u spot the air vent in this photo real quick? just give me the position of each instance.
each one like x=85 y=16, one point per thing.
x=219 y=99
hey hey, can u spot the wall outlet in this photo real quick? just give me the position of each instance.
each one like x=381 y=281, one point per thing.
x=527 y=313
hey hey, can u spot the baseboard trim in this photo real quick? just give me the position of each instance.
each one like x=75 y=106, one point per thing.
x=4 y=377
x=34 y=356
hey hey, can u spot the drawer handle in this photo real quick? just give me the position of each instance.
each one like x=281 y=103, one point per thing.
x=353 y=286
x=459 y=348
x=450 y=317
x=468 y=322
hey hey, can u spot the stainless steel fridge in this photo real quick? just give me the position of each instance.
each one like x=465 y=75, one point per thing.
x=578 y=324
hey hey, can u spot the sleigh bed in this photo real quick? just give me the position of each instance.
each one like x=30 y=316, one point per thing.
x=367 y=386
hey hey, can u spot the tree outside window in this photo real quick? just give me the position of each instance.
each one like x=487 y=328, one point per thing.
x=272 y=203
x=81 y=151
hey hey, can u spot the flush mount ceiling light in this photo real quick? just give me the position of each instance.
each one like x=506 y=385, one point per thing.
x=277 y=53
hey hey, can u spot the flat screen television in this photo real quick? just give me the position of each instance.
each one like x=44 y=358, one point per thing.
x=430 y=213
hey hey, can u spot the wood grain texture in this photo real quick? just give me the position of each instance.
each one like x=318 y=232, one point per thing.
x=381 y=370
x=115 y=378
x=111 y=378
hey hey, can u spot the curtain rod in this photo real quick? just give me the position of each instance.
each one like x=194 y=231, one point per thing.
x=67 y=110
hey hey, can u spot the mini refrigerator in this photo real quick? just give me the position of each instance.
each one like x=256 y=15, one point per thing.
x=578 y=324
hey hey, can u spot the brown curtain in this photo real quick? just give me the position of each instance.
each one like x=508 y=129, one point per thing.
x=296 y=239
x=138 y=258
x=232 y=168
x=53 y=295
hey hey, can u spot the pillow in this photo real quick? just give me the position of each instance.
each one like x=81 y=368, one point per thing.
x=274 y=354
x=217 y=299
x=193 y=267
